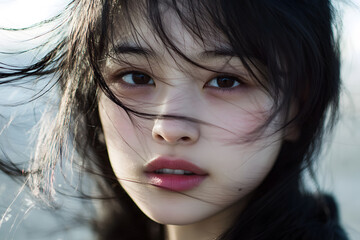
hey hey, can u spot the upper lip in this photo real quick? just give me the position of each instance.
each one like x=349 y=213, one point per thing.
x=171 y=163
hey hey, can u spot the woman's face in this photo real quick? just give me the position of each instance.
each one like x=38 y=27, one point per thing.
x=180 y=171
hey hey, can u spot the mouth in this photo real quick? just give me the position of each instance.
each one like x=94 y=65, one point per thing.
x=173 y=171
x=174 y=174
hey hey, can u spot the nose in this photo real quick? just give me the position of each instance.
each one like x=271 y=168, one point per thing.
x=175 y=131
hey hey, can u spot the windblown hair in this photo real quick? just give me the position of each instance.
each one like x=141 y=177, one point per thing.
x=290 y=44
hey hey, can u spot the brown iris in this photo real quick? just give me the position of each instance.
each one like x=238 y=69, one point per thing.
x=226 y=82
x=140 y=78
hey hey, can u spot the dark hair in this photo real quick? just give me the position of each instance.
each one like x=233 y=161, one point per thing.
x=290 y=44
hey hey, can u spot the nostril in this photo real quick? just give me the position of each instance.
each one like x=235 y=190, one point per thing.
x=159 y=137
x=185 y=139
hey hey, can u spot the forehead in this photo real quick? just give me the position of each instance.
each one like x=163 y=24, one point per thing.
x=173 y=32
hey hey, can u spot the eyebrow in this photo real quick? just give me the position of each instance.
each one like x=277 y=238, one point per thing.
x=219 y=52
x=126 y=48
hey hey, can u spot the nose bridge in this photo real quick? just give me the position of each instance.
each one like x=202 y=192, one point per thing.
x=178 y=101
x=178 y=95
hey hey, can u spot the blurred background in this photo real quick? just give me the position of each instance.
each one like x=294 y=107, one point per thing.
x=21 y=218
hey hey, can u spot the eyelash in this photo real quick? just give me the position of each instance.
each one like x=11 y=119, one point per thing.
x=235 y=80
x=138 y=73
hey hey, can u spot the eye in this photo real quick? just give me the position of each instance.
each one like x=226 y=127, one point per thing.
x=224 y=82
x=137 y=78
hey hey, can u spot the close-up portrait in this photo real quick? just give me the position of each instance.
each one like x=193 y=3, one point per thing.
x=179 y=120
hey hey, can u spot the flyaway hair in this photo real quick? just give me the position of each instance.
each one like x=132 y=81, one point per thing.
x=288 y=47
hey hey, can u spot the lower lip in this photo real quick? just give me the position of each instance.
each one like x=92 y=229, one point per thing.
x=175 y=182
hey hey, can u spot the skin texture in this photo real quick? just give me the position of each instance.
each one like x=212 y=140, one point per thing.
x=218 y=143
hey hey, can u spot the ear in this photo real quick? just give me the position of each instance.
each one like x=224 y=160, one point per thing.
x=292 y=131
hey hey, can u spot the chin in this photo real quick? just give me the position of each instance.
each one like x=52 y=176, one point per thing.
x=176 y=219
x=184 y=212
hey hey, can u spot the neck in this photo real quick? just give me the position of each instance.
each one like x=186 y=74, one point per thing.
x=208 y=229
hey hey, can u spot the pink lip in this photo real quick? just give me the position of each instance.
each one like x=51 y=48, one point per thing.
x=174 y=182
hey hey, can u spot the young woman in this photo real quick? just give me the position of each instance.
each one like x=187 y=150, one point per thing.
x=197 y=118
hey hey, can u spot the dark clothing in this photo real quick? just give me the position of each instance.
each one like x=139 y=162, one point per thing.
x=295 y=217
x=319 y=223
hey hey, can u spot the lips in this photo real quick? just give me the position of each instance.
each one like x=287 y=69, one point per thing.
x=174 y=174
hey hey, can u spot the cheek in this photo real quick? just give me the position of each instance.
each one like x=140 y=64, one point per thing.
x=254 y=163
x=244 y=159
x=121 y=140
x=116 y=124
x=245 y=162
x=244 y=123
x=239 y=170
x=238 y=125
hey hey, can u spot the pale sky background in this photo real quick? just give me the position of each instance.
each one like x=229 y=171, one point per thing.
x=339 y=172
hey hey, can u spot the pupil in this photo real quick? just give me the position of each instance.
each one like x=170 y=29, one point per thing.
x=225 y=82
x=140 y=78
